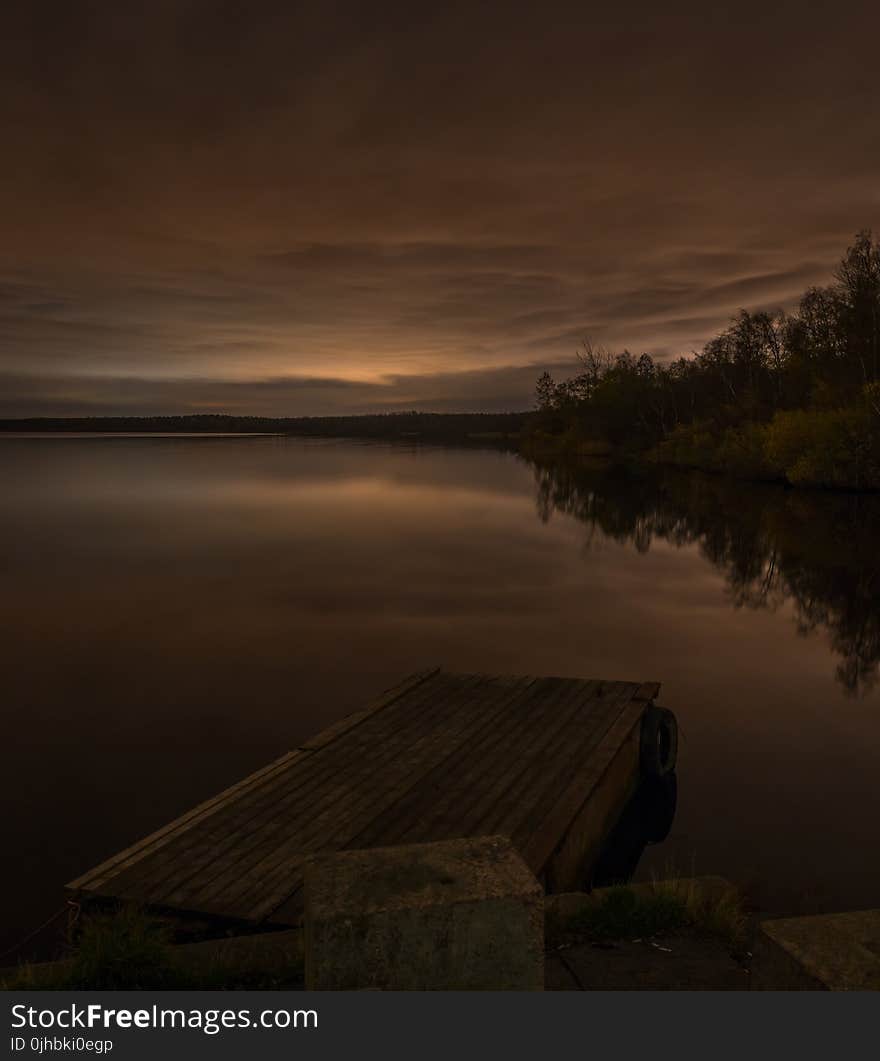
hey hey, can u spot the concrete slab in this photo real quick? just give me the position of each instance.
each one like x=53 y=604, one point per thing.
x=828 y=952
x=453 y=915
x=678 y=962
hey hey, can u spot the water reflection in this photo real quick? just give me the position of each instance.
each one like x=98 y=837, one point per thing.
x=817 y=551
x=646 y=819
x=179 y=612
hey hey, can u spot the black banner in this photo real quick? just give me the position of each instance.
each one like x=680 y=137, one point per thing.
x=195 y=1025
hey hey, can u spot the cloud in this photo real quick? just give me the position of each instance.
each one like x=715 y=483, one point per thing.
x=298 y=192
x=479 y=390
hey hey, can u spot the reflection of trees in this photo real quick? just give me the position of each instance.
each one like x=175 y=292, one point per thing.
x=817 y=550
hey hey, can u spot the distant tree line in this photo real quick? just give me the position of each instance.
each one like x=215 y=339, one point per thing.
x=478 y=428
x=792 y=396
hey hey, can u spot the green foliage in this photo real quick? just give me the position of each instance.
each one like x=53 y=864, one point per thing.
x=621 y=913
x=120 y=951
x=123 y=951
x=715 y=912
x=129 y=951
x=663 y=907
x=832 y=448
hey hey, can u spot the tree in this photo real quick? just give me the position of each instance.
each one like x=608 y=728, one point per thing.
x=720 y=408
x=545 y=392
x=859 y=279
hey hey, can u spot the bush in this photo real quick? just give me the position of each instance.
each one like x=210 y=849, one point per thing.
x=832 y=448
x=836 y=448
x=743 y=452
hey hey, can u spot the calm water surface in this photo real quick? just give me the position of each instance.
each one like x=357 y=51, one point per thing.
x=178 y=611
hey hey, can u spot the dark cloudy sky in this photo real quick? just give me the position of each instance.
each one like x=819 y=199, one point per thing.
x=315 y=207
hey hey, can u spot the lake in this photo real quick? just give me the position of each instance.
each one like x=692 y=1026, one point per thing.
x=177 y=611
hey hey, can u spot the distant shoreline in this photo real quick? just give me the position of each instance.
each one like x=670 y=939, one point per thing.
x=468 y=428
x=64 y=433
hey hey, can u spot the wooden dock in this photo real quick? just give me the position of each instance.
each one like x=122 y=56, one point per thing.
x=548 y=762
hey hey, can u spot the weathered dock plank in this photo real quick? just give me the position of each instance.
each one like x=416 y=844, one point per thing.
x=438 y=757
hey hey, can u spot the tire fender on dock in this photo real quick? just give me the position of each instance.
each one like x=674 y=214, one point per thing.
x=658 y=744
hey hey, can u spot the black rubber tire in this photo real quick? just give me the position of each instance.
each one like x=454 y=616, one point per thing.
x=658 y=742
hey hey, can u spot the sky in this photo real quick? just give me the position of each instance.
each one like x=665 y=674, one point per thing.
x=308 y=208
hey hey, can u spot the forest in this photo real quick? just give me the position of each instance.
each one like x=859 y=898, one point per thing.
x=788 y=396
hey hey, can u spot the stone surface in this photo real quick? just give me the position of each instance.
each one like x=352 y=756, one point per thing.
x=674 y=962
x=558 y=976
x=828 y=952
x=453 y=915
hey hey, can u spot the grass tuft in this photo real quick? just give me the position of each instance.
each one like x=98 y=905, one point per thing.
x=716 y=912
x=621 y=912
x=662 y=907
x=127 y=950
x=120 y=951
x=123 y=951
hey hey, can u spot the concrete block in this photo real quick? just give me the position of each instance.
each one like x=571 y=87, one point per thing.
x=828 y=952
x=453 y=915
